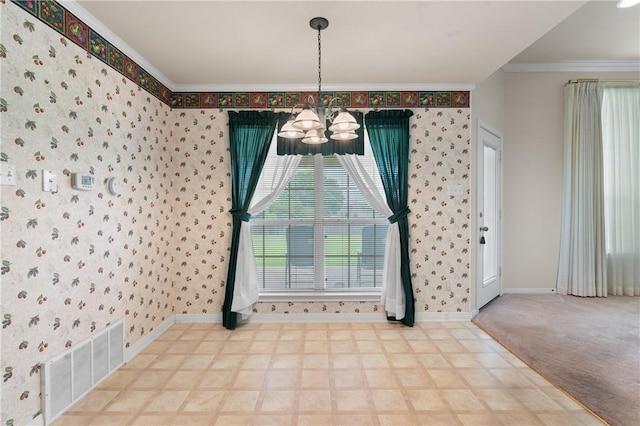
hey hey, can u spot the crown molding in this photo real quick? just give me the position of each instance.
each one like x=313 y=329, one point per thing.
x=382 y=87
x=81 y=13
x=622 y=66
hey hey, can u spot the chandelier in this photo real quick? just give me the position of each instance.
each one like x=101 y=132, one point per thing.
x=310 y=123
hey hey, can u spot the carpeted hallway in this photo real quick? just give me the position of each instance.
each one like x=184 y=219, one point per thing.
x=590 y=347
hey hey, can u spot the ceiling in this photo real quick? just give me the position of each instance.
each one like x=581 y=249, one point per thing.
x=597 y=32
x=385 y=45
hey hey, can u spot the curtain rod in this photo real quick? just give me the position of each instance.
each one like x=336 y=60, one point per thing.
x=595 y=80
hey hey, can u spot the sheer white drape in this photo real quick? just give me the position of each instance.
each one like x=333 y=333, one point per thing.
x=621 y=149
x=582 y=264
x=277 y=172
x=392 y=292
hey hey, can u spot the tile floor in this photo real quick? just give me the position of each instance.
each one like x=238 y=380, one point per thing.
x=436 y=373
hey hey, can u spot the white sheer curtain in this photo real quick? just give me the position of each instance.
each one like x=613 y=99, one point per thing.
x=621 y=142
x=392 y=292
x=277 y=172
x=582 y=265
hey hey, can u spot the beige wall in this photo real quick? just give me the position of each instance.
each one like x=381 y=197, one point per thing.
x=532 y=166
x=487 y=105
x=487 y=102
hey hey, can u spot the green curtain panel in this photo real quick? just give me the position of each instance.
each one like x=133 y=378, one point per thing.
x=250 y=134
x=297 y=147
x=389 y=136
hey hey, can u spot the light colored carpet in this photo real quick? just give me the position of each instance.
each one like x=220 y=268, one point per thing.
x=590 y=347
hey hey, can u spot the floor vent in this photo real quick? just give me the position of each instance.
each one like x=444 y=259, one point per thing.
x=73 y=373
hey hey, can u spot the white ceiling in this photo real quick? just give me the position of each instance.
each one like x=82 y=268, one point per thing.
x=597 y=32
x=393 y=45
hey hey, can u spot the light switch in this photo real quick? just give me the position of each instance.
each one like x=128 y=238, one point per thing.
x=7 y=173
x=49 y=182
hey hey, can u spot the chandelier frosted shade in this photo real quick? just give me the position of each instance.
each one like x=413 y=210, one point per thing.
x=315 y=137
x=290 y=132
x=344 y=136
x=307 y=120
x=344 y=122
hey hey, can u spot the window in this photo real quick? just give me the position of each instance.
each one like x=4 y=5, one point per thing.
x=320 y=235
x=621 y=165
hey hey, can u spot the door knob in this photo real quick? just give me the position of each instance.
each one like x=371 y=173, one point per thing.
x=484 y=228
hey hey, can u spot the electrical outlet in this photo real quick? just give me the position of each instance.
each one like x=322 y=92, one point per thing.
x=454 y=189
x=7 y=173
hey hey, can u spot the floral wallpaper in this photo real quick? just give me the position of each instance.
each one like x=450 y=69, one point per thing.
x=439 y=223
x=75 y=261
x=201 y=200
x=439 y=156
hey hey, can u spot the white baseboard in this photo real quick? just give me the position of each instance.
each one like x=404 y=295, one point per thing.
x=147 y=339
x=549 y=290
x=37 y=421
x=297 y=318
x=198 y=318
x=443 y=316
x=315 y=318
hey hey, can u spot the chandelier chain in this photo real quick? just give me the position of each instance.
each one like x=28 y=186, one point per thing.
x=319 y=63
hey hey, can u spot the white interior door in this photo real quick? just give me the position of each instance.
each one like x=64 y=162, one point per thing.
x=488 y=236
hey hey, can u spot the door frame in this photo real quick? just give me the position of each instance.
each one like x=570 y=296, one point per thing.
x=475 y=235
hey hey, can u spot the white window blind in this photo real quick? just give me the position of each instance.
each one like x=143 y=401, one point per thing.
x=320 y=235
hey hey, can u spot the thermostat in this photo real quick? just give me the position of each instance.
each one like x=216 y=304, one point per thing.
x=114 y=185
x=82 y=181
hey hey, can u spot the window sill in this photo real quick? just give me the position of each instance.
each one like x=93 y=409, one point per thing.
x=320 y=296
